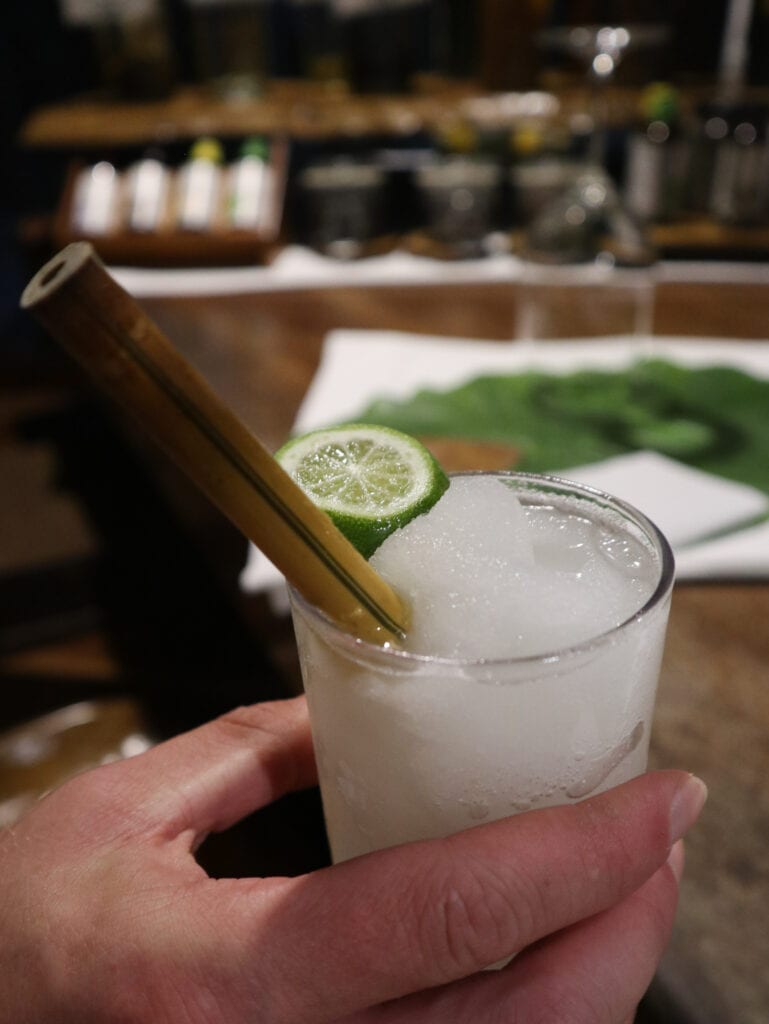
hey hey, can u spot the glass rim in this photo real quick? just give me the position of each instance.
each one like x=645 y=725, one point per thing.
x=399 y=656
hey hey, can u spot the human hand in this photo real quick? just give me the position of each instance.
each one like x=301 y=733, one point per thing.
x=105 y=915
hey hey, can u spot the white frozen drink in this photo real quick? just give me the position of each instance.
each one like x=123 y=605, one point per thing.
x=529 y=672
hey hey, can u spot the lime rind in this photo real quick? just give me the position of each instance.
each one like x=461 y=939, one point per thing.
x=369 y=479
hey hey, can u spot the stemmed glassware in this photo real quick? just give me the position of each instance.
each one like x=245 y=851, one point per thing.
x=600 y=49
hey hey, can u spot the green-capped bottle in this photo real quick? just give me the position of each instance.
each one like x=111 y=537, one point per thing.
x=657 y=157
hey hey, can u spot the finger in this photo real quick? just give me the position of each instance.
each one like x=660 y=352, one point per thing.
x=594 y=972
x=606 y=963
x=423 y=914
x=205 y=780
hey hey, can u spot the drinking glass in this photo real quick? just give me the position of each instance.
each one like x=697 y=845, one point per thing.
x=460 y=197
x=414 y=746
x=587 y=267
x=343 y=204
x=600 y=49
x=587 y=300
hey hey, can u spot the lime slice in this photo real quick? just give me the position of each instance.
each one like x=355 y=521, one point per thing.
x=369 y=479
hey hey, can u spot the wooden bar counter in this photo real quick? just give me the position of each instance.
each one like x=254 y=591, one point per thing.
x=260 y=352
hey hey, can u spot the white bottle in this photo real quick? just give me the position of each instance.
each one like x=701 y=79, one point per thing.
x=147 y=183
x=95 y=200
x=200 y=183
x=250 y=188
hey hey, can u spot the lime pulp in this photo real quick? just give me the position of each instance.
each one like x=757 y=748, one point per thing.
x=369 y=479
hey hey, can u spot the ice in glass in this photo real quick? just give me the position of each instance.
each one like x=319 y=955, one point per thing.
x=528 y=677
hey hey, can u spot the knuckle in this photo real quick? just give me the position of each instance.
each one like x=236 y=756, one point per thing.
x=89 y=794
x=99 y=804
x=472 y=915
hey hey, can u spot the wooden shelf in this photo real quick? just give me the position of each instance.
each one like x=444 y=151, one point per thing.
x=297 y=109
x=301 y=109
x=288 y=108
x=708 y=237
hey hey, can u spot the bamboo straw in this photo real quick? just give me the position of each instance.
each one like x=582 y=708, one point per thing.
x=133 y=362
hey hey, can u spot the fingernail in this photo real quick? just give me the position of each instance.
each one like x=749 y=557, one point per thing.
x=686 y=806
x=676 y=859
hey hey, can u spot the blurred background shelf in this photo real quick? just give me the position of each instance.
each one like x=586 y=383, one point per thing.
x=526 y=134
x=297 y=108
x=526 y=85
x=705 y=238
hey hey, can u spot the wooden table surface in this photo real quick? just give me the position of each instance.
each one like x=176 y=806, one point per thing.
x=260 y=353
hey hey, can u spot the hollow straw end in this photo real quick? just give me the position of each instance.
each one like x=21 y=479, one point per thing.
x=58 y=270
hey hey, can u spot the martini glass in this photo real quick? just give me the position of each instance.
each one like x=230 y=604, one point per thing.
x=600 y=49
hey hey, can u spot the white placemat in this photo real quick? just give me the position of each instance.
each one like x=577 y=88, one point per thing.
x=359 y=366
x=689 y=506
